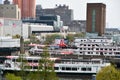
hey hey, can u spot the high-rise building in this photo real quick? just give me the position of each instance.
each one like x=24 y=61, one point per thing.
x=18 y=2
x=28 y=8
x=96 y=18
x=63 y=11
x=50 y=20
x=10 y=11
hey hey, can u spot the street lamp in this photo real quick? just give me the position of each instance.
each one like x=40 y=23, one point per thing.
x=21 y=41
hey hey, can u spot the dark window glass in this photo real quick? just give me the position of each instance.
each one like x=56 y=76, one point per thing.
x=68 y=68
x=56 y=68
x=83 y=69
x=63 y=68
x=74 y=69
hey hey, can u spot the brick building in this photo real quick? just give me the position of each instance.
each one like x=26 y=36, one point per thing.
x=96 y=18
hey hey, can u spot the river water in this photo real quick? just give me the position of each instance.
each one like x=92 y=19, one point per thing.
x=75 y=77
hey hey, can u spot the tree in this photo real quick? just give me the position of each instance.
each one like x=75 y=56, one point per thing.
x=34 y=39
x=45 y=69
x=23 y=62
x=10 y=76
x=70 y=37
x=108 y=73
x=16 y=36
x=50 y=38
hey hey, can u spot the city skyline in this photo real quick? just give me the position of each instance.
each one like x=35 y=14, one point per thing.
x=79 y=9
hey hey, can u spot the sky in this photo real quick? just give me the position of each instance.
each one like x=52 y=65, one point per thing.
x=79 y=9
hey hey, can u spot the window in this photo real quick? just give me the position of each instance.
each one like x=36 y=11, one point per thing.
x=35 y=67
x=36 y=61
x=74 y=69
x=97 y=52
x=29 y=60
x=105 y=53
x=88 y=48
x=93 y=20
x=88 y=69
x=88 y=44
x=101 y=49
x=88 y=52
x=63 y=68
x=110 y=49
x=105 y=48
x=56 y=68
x=97 y=48
x=68 y=68
x=80 y=48
x=101 y=53
x=110 y=53
x=83 y=69
x=81 y=52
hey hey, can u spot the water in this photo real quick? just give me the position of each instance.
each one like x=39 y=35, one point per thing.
x=74 y=77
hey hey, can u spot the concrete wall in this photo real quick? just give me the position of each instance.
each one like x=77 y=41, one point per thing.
x=10 y=11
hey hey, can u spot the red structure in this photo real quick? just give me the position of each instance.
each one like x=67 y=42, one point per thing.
x=18 y=2
x=28 y=8
x=62 y=43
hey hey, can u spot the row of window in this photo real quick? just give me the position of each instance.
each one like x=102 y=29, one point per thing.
x=94 y=40
x=89 y=44
x=98 y=49
x=62 y=68
x=73 y=68
x=30 y=61
x=101 y=53
x=7 y=7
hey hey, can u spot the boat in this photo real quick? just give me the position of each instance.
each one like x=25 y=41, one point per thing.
x=81 y=66
x=104 y=47
x=9 y=45
x=35 y=49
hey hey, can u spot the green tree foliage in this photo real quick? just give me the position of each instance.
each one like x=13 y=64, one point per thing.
x=10 y=76
x=16 y=36
x=108 y=73
x=23 y=65
x=46 y=67
x=79 y=35
x=71 y=37
x=45 y=70
x=34 y=39
x=51 y=38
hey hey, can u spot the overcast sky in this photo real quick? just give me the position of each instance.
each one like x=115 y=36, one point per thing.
x=79 y=9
